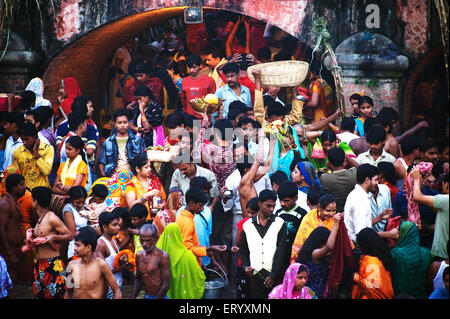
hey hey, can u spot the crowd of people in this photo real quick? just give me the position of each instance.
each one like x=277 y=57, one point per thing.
x=272 y=188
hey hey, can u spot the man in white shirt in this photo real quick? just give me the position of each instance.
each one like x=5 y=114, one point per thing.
x=12 y=122
x=357 y=209
x=347 y=129
x=375 y=139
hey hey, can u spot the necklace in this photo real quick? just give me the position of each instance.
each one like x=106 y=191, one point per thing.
x=39 y=221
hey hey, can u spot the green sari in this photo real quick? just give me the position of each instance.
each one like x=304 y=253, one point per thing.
x=411 y=263
x=187 y=279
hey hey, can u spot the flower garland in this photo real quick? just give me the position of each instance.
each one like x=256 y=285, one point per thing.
x=131 y=259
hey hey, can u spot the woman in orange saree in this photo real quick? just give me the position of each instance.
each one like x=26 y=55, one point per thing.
x=373 y=281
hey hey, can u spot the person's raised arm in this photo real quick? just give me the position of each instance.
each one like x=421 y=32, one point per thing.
x=297 y=109
x=260 y=113
x=418 y=196
x=229 y=41
x=322 y=123
x=412 y=131
x=247 y=34
x=268 y=164
x=322 y=252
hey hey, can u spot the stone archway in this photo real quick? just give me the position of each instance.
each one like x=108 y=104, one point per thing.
x=87 y=47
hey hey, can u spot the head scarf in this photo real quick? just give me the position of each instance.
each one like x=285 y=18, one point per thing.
x=284 y=291
x=284 y=164
x=309 y=173
x=72 y=90
x=187 y=279
x=411 y=262
x=36 y=85
x=425 y=169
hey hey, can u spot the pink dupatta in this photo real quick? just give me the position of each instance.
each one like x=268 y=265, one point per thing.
x=285 y=290
x=413 y=207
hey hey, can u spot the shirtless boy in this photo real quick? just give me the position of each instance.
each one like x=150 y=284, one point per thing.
x=152 y=266
x=108 y=248
x=11 y=238
x=89 y=277
x=49 y=274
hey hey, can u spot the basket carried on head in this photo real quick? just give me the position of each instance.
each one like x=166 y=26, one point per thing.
x=281 y=73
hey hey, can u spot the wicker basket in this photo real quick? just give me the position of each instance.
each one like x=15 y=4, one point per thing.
x=281 y=73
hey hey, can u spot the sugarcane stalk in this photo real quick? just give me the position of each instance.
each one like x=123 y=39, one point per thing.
x=320 y=30
x=442 y=8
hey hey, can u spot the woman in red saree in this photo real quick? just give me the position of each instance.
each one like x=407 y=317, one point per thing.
x=69 y=90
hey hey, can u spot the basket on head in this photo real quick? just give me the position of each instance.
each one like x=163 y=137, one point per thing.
x=281 y=73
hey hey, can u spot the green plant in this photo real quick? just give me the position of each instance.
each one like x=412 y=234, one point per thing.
x=8 y=11
x=319 y=29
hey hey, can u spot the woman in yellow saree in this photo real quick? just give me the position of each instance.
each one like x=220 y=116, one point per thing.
x=320 y=217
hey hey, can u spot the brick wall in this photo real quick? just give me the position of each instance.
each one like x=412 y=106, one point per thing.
x=385 y=93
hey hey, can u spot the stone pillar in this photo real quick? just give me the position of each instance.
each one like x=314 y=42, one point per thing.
x=372 y=65
x=18 y=65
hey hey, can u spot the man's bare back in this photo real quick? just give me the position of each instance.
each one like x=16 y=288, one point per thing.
x=391 y=146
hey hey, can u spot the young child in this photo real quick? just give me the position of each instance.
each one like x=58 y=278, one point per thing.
x=71 y=214
x=95 y=205
x=123 y=237
x=107 y=247
x=74 y=171
x=294 y=284
x=90 y=276
x=138 y=215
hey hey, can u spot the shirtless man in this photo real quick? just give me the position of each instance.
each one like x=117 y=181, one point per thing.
x=108 y=248
x=391 y=145
x=410 y=153
x=11 y=238
x=89 y=276
x=246 y=187
x=152 y=266
x=50 y=232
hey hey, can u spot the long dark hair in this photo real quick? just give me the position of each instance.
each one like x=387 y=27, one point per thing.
x=373 y=245
x=316 y=239
x=77 y=143
x=138 y=161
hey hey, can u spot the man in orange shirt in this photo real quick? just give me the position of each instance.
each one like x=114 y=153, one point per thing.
x=195 y=201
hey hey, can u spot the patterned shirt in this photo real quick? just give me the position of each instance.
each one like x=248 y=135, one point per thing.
x=5 y=279
x=220 y=158
x=34 y=170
